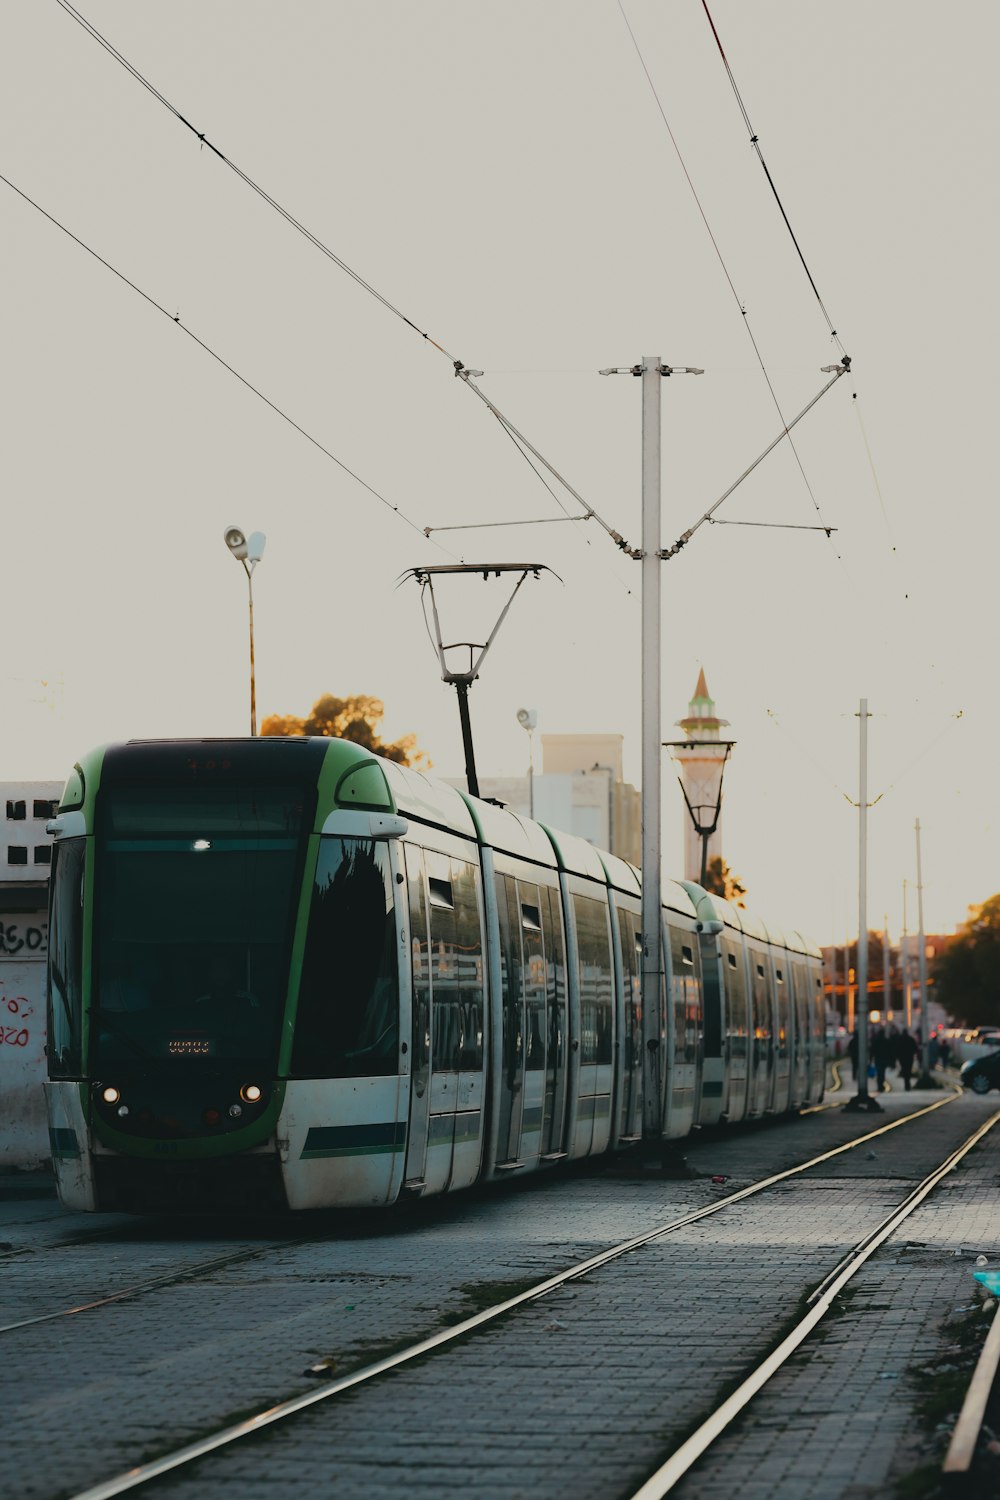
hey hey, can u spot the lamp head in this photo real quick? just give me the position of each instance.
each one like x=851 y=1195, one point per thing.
x=236 y=542
x=255 y=546
x=527 y=718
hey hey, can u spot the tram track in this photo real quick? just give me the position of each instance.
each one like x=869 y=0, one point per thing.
x=186 y=1274
x=455 y=1333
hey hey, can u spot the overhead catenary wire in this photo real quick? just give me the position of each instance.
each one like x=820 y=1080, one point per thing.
x=176 y=320
x=755 y=142
x=272 y=202
x=725 y=269
x=458 y=365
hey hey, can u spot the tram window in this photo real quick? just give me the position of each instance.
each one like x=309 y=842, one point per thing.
x=348 y=1015
x=736 y=1007
x=66 y=960
x=686 y=999
x=531 y=919
x=595 y=978
x=456 y=965
x=780 y=976
x=760 y=971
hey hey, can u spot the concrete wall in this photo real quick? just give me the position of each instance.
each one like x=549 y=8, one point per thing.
x=25 y=853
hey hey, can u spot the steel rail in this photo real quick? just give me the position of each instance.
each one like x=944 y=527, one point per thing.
x=677 y=1465
x=144 y=1473
x=171 y=1278
x=962 y=1448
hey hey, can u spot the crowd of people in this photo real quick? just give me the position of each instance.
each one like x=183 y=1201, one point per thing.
x=895 y=1047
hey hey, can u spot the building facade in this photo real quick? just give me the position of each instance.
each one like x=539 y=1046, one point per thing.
x=25 y=859
x=580 y=789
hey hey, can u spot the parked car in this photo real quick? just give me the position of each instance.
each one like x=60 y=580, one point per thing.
x=982 y=1073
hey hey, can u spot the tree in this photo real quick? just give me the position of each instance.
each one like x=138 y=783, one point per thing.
x=357 y=718
x=967 y=973
x=720 y=880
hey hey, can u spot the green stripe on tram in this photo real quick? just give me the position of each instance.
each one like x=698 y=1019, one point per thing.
x=354 y=1140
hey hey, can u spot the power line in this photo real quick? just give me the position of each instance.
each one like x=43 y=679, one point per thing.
x=279 y=208
x=175 y=319
x=755 y=142
x=725 y=271
x=459 y=367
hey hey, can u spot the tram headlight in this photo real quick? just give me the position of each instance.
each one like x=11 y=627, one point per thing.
x=111 y=1095
x=235 y=1110
x=251 y=1093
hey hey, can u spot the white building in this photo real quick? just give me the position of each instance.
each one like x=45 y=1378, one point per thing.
x=25 y=858
x=580 y=790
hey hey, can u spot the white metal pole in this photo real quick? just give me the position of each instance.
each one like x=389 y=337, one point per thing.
x=653 y=1030
x=886 y=992
x=922 y=966
x=904 y=966
x=862 y=1005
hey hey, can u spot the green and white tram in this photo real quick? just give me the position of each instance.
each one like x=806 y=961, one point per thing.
x=286 y=973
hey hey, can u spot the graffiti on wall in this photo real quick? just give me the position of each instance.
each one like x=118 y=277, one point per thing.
x=24 y=939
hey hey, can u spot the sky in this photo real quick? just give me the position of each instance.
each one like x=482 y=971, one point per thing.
x=502 y=174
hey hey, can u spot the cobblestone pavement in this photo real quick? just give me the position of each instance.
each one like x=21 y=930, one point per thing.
x=576 y=1395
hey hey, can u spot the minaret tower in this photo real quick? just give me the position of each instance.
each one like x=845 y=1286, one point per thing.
x=701 y=756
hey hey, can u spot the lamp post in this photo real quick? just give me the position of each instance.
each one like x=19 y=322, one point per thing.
x=248 y=550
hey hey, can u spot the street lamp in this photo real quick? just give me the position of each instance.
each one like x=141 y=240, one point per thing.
x=528 y=718
x=248 y=550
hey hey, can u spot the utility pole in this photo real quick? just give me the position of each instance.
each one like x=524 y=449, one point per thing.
x=925 y=1081
x=904 y=966
x=654 y=1009
x=654 y=1033
x=862 y=1099
x=886 y=992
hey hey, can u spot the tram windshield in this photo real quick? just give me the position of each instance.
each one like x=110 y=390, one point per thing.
x=194 y=907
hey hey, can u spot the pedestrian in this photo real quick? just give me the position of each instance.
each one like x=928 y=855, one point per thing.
x=882 y=1053
x=906 y=1052
x=945 y=1049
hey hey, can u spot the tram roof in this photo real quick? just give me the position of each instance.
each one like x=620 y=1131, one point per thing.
x=429 y=801
x=509 y=833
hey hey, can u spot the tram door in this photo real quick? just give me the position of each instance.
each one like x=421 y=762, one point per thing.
x=762 y=1069
x=783 y=1036
x=737 y=1027
x=630 y=934
x=556 y=1060
x=444 y=1146
x=510 y=1064
x=532 y=1066
x=420 y=1043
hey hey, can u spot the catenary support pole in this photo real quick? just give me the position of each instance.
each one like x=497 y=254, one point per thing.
x=886 y=992
x=653 y=988
x=904 y=966
x=926 y=1079
x=863 y=1100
